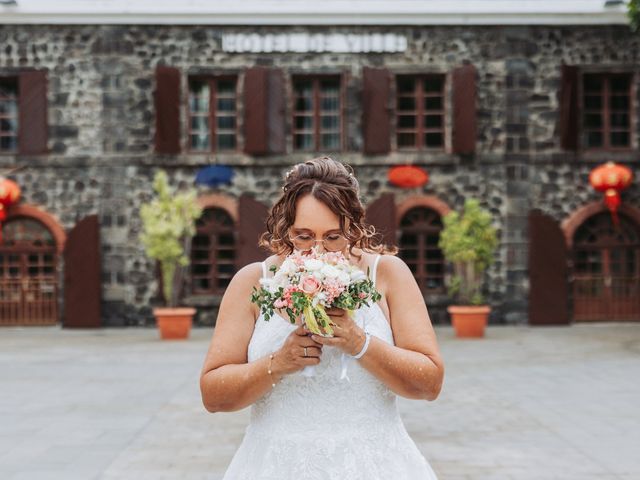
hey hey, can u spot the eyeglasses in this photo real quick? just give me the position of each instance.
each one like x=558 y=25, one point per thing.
x=333 y=242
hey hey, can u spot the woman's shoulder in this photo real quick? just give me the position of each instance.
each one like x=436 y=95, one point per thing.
x=246 y=277
x=392 y=270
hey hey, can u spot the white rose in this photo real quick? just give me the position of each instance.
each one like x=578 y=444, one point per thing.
x=343 y=278
x=330 y=271
x=357 y=275
x=288 y=267
x=313 y=265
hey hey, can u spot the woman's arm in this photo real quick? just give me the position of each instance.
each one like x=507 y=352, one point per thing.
x=227 y=381
x=413 y=368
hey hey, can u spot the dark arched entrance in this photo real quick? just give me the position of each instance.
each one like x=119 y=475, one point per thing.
x=606 y=269
x=420 y=229
x=28 y=273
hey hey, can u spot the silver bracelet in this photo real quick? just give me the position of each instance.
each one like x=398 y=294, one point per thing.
x=364 y=347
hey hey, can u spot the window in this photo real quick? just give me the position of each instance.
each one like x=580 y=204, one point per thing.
x=8 y=115
x=317 y=114
x=606 y=117
x=212 y=114
x=420 y=231
x=213 y=252
x=420 y=112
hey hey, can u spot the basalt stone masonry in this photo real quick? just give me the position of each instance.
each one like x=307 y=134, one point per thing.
x=101 y=128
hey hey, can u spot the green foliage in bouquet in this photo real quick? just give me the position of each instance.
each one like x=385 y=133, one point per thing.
x=168 y=224
x=468 y=241
x=633 y=13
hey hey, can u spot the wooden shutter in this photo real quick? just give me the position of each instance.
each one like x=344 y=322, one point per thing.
x=376 y=114
x=381 y=213
x=276 y=112
x=569 y=107
x=167 y=104
x=548 y=288
x=464 y=109
x=32 y=101
x=251 y=223
x=264 y=111
x=82 y=288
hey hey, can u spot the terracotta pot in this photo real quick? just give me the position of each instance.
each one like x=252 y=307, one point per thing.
x=469 y=321
x=174 y=323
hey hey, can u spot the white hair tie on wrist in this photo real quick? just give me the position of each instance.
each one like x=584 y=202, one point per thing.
x=364 y=347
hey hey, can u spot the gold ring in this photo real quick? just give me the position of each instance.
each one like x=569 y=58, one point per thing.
x=305 y=351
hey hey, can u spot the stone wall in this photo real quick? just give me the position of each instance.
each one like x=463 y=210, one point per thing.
x=101 y=121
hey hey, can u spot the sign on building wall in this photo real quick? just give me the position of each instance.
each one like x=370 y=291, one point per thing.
x=314 y=42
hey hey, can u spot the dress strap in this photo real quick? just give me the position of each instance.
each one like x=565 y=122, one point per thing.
x=264 y=269
x=375 y=269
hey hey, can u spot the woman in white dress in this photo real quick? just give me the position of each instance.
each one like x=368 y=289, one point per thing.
x=324 y=426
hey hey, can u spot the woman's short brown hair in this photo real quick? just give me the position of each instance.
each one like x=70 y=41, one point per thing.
x=334 y=184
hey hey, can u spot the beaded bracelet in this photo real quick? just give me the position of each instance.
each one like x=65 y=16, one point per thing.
x=364 y=347
x=269 y=370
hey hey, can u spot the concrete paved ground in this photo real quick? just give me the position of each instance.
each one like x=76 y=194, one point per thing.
x=523 y=403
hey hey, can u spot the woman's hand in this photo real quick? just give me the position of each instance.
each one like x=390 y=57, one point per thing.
x=347 y=336
x=291 y=356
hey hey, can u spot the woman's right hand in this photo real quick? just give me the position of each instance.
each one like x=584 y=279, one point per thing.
x=290 y=358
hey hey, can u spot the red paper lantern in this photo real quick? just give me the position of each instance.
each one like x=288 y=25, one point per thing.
x=408 y=176
x=611 y=179
x=9 y=195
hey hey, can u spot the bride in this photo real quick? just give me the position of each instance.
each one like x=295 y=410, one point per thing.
x=323 y=424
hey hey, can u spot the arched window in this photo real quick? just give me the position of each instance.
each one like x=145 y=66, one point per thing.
x=213 y=252
x=420 y=231
x=606 y=269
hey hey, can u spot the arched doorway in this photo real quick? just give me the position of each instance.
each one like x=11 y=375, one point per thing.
x=606 y=269
x=213 y=252
x=420 y=229
x=28 y=273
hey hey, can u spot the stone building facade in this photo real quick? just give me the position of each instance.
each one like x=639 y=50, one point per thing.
x=102 y=145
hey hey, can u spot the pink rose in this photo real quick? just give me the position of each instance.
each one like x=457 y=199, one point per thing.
x=310 y=285
x=362 y=294
x=280 y=303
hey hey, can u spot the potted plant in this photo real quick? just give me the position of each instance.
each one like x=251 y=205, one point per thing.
x=168 y=225
x=468 y=241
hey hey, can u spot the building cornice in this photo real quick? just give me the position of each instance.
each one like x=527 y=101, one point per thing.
x=307 y=12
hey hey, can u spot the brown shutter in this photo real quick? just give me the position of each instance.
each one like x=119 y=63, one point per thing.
x=82 y=292
x=381 y=213
x=251 y=223
x=264 y=111
x=569 y=107
x=376 y=114
x=464 y=109
x=33 y=125
x=276 y=112
x=167 y=103
x=548 y=289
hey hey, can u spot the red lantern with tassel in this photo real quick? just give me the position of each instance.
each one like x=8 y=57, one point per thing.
x=611 y=178
x=9 y=195
x=408 y=176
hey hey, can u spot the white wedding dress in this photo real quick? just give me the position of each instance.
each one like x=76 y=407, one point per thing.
x=322 y=427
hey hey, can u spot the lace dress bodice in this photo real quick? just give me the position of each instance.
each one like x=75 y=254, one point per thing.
x=322 y=426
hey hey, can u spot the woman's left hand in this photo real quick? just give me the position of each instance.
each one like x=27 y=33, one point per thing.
x=347 y=336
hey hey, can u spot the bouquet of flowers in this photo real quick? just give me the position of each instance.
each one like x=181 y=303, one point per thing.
x=308 y=283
